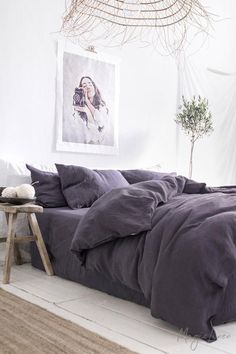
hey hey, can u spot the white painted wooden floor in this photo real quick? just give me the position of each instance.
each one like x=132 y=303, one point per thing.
x=121 y=321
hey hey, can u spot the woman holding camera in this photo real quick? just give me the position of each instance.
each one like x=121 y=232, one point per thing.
x=91 y=109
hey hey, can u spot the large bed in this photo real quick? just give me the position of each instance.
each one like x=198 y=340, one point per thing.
x=168 y=244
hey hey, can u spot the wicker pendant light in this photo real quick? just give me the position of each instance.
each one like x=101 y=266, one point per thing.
x=115 y=22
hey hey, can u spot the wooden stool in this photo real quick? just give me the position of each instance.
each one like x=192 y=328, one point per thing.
x=11 y=212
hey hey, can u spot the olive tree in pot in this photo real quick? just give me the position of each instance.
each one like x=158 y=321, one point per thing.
x=195 y=119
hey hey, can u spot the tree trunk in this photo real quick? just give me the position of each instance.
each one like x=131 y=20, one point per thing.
x=191 y=159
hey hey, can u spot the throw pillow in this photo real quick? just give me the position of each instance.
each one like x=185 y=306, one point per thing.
x=48 y=189
x=82 y=186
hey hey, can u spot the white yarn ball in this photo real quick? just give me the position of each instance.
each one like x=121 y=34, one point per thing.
x=9 y=192
x=25 y=191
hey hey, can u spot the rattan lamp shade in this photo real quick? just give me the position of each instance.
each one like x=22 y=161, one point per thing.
x=115 y=22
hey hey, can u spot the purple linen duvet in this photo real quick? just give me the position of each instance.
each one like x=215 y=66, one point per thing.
x=174 y=240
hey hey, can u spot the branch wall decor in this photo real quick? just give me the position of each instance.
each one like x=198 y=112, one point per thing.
x=162 y=23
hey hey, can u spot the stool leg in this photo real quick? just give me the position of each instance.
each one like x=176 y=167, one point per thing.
x=9 y=247
x=40 y=243
x=17 y=255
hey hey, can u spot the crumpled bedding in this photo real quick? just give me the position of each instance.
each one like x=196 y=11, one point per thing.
x=172 y=239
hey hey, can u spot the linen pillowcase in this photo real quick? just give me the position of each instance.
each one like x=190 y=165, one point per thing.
x=48 y=191
x=136 y=176
x=82 y=186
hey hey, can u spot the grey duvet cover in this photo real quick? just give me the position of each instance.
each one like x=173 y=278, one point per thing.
x=58 y=226
x=172 y=240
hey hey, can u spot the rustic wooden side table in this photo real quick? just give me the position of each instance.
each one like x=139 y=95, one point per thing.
x=11 y=212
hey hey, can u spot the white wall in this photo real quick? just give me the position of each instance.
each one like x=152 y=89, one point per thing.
x=214 y=156
x=27 y=94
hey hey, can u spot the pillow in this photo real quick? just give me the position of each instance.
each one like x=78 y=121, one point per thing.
x=82 y=186
x=14 y=172
x=48 y=190
x=136 y=176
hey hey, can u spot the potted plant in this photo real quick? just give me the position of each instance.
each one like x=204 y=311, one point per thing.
x=195 y=119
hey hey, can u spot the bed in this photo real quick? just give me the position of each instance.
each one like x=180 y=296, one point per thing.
x=168 y=244
x=58 y=226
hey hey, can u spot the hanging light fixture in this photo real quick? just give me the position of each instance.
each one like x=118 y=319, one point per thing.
x=162 y=23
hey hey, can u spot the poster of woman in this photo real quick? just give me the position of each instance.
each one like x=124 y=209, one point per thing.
x=87 y=101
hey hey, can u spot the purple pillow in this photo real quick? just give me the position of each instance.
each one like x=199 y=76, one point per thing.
x=82 y=186
x=136 y=176
x=48 y=191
